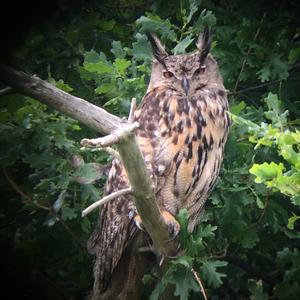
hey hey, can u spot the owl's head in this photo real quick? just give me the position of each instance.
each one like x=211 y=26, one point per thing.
x=184 y=73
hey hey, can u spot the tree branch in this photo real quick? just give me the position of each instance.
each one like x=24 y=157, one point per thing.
x=98 y=119
x=91 y=115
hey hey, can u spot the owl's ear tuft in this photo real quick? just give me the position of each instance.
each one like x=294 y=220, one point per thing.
x=158 y=49
x=203 y=44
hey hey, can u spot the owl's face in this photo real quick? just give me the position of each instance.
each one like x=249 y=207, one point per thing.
x=184 y=73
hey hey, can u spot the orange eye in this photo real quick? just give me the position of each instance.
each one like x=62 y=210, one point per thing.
x=200 y=70
x=168 y=74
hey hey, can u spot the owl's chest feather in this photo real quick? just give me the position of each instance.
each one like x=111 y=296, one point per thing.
x=181 y=137
x=182 y=123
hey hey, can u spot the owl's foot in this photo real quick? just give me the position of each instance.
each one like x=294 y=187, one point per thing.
x=172 y=225
x=138 y=222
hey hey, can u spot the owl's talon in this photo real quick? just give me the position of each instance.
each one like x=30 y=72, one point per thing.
x=138 y=223
x=172 y=225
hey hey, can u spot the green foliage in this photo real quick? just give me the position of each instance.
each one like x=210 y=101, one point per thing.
x=246 y=245
x=178 y=274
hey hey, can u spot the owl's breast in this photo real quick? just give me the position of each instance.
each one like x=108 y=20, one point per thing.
x=182 y=139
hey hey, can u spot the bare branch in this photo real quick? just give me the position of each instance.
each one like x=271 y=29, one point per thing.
x=105 y=199
x=85 y=112
x=6 y=91
x=132 y=110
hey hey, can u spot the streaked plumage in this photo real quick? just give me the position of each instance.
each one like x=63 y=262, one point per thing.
x=184 y=124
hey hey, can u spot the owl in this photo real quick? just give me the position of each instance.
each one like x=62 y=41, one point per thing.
x=183 y=126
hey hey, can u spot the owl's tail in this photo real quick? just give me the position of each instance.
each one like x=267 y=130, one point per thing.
x=126 y=280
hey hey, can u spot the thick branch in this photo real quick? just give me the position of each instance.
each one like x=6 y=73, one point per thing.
x=145 y=199
x=100 y=120
x=30 y=85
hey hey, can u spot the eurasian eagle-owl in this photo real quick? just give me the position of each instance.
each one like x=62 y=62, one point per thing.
x=183 y=126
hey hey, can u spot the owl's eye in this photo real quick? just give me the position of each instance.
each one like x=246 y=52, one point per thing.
x=168 y=74
x=200 y=70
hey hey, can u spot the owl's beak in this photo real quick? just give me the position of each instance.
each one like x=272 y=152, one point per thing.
x=185 y=85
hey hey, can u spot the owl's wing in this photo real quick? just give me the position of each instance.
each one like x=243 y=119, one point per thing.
x=160 y=134
x=115 y=230
x=151 y=136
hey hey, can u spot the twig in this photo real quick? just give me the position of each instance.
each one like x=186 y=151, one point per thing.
x=262 y=214
x=248 y=53
x=110 y=139
x=105 y=199
x=222 y=254
x=132 y=110
x=85 y=112
x=198 y=279
x=22 y=194
x=263 y=210
x=251 y=270
x=145 y=249
x=6 y=91
x=114 y=153
x=255 y=87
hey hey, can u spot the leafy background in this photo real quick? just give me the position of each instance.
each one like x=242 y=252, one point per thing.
x=247 y=246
